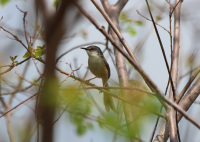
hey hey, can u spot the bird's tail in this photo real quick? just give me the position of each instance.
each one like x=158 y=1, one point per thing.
x=108 y=101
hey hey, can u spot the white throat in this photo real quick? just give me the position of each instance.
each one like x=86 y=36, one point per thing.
x=92 y=54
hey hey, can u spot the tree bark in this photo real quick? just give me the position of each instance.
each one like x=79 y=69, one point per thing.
x=113 y=12
x=185 y=103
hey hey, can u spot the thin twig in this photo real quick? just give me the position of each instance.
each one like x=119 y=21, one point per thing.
x=162 y=48
x=19 y=104
x=115 y=29
x=29 y=137
x=187 y=85
x=14 y=65
x=73 y=48
x=175 y=7
x=24 y=24
x=126 y=88
x=15 y=37
x=151 y=20
x=70 y=75
x=26 y=79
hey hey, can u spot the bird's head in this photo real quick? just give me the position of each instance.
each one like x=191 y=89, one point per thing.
x=93 y=51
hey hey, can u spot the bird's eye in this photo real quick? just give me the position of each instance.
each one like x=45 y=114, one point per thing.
x=92 y=49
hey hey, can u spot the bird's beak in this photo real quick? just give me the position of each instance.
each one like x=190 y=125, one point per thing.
x=84 y=48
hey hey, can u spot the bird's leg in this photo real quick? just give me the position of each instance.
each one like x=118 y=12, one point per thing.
x=100 y=91
x=87 y=81
x=105 y=84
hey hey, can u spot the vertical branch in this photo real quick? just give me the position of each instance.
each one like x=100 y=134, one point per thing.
x=174 y=72
x=113 y=12
x=185 y=104
x=54 y=31
x=172 y=120
x=120 y=5
x=9 y=124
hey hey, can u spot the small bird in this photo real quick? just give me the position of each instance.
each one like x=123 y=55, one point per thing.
x=100 y=68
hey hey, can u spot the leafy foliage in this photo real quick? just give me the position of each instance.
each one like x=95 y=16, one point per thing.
x=4 y=2
x=56 y=3
x=79 y=107
x=38 y=52
x=128 y=25
x=13 y=59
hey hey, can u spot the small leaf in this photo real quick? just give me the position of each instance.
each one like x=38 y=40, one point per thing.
x=140 y=23
x=124 y=17
x=3 y=2
x=56 y=3
x=15 y=61
x=100 y=125
x=26 y=55
x=15 y=57
x=158 y=18
x=39 y=51
x=81 y=129
x=12 y=59
x=131 y=31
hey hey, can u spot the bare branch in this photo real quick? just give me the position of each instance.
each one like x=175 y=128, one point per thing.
x=15 y=37
x=151 y=20
x=161 y=46
x=185 y=104
x=24 y=24
x=105 y=4
x=19 y=104
x=116 y=30
x=120 y=5
x=187 y=85
x=14 y=65
x=69 y=75
x=26 y=79
x=175 y=7
x=78 y=46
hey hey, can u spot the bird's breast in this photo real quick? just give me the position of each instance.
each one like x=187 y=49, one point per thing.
x=97 y=67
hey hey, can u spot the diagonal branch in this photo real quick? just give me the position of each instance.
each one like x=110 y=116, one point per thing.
x=120 y=5
x=116 y=30
x=162 y=48
x=187 y=85
x=105 y=4
x=185 y=104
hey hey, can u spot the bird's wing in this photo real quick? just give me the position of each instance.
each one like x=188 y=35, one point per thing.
x=108 y=68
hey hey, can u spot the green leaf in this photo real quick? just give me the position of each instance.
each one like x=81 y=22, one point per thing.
x=81 y=129
x=12 y=59
x=78 y=120
x=140 y=23
x=26 y=55
x=30 y=48
x=131 y=31
x=158 y=18
x=39 y=51
x=56 y=3
x=3 y=2
x=100 y=125
x=124 y=17
x=15 y=57
x=15 y=61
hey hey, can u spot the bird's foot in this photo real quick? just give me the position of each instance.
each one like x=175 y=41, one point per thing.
x=87 y=81
x=100 y=91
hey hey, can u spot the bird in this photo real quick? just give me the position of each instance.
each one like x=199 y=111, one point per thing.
x=100 y=68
